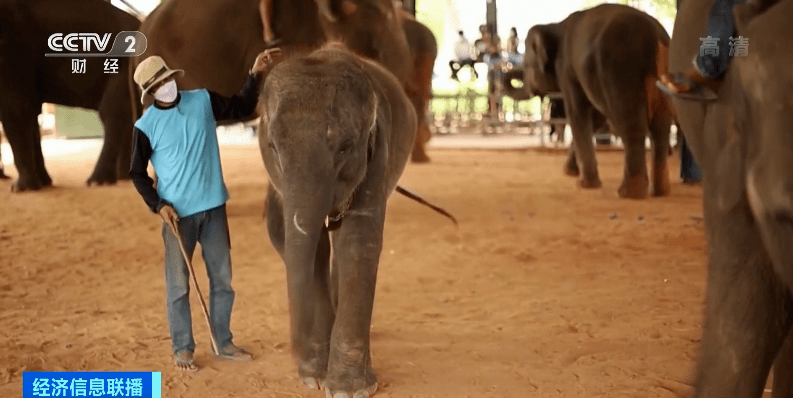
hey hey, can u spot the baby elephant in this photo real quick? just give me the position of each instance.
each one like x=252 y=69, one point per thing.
x=336 y=133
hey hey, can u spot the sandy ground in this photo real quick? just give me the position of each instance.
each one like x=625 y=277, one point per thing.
x=545 y=290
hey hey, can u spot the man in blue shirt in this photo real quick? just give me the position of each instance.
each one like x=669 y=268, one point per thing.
x=178 y=135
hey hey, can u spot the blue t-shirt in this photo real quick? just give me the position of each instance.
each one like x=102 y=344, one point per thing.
x=185 y=153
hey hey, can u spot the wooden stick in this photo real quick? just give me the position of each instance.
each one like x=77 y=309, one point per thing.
x=176 y=232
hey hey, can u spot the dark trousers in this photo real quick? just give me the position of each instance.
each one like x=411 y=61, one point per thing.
x=689 y=171
x=721 y=25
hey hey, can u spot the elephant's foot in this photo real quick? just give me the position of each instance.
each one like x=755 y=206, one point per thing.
x=313 y=370
x=102 y=177
x=661 y=186
x=349 y=386
x=571 y=168
x=351 y=378
x=590 y=182
x=24 y=183
x=419 y=157
x=635 y=187
x=312 y=375
x=312 y=383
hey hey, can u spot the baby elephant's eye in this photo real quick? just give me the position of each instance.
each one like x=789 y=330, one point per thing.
x=345 y=147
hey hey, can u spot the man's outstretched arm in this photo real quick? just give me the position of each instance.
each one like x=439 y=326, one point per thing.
x=239 y=105
x=244 y=103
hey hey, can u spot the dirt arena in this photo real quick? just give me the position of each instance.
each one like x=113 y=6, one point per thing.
x=545 y=290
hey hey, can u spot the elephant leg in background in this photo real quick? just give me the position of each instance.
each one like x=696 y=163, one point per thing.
x=20 y=123
x=419 y=92
x=116 y=154
x=571 y=164
x=559 y=131
x=629 y=122
x=423 y=135
x=659 y=137
x=783 y=369
x=579 y=115
x=357 y=244
x=747 y=315
x=313 y=360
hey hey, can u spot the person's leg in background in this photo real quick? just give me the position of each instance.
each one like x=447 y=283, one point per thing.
x=470 y=62
x=689 y=171
x=452 y=65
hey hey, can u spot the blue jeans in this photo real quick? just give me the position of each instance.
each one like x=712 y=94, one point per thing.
x=721 y=24
x=689 y=171
x=210 y=228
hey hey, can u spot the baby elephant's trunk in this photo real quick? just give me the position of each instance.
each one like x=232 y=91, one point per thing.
x=518 y=94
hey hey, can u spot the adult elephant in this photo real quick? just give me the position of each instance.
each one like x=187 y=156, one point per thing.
x=30 y=79
x=743 y=144
x=216 y=41
x=423 y=51
x=605 y=61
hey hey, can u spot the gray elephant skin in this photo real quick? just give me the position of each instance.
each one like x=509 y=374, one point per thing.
x=30 y=79
x=743 y=145
x=336 y=134
x=605 y=61
x=230 y=37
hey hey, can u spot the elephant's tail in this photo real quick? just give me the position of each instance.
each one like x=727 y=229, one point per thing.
x=423 y=201
x=656 y=101
x=133 y=92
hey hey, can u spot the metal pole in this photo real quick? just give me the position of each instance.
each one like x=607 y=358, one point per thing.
x=491 y=18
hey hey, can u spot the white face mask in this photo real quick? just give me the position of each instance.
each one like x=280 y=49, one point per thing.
x=167 y=93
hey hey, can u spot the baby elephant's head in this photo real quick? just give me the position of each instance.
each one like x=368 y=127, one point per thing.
x=317 y=133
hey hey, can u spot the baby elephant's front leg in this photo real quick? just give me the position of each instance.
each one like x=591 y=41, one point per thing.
x=356 y=251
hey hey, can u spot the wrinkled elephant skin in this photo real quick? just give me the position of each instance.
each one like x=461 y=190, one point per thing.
x=605 y=61
x=743 y=144
x=335 y=135
x=31 y=79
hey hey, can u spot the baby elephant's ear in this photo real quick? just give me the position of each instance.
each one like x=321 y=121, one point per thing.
x=745 y=12
x=373 y=127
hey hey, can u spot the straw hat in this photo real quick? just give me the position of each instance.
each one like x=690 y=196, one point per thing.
x=152 y=71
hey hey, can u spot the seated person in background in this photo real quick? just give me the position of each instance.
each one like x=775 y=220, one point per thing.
x=462 y=56
x=484 y=44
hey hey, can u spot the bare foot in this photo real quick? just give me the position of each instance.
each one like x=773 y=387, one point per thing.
x=184 y=361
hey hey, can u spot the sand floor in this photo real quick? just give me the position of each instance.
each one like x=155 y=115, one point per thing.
x=545 y=290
